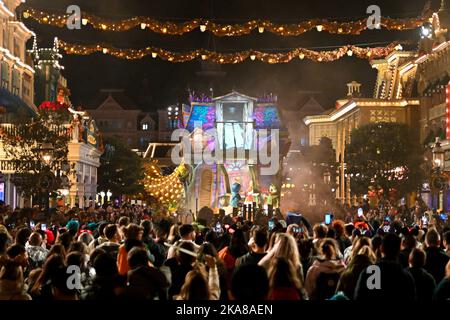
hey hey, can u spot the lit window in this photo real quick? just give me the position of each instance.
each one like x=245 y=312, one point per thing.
x=145 y=126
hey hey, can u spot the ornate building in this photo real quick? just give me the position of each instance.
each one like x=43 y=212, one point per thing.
x=16 y=84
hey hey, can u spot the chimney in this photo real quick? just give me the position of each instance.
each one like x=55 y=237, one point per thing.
x=354 y=89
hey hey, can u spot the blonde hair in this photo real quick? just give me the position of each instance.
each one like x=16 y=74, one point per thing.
x=285 y=246
x=368 y=252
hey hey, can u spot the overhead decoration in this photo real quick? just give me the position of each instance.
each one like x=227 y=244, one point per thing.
x=222 y=30
x=166 y=189
x=232 y=58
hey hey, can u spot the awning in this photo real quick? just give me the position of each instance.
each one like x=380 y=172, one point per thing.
x=14 y=105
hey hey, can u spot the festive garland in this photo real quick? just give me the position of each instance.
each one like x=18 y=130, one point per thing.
x=221 y=30
x=165 y=189
x=232 y=58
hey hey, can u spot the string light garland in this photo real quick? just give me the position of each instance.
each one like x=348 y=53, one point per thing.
x=222 y=30
x=166 y=189
x=232 y=58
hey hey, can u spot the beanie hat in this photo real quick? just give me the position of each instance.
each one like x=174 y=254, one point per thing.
x=72 y=225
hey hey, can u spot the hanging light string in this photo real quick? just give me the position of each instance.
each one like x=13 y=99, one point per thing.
x=235 y=57
x=165 y=189
x=222 y=30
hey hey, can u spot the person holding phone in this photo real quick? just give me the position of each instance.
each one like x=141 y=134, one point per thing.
x=257 y=248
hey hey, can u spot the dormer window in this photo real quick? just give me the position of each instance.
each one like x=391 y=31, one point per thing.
x=145 y=126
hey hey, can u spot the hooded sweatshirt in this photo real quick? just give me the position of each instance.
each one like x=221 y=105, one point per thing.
x=318 y=267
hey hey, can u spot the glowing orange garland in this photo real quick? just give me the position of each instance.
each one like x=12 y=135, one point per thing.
x=221 y=30
x=231 y=58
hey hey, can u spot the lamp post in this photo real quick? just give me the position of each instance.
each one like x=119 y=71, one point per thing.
x=102 y=195
x=439 y=181
x=109 y=194
x=45 y=152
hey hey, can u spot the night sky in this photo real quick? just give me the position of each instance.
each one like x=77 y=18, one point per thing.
x=154 y=83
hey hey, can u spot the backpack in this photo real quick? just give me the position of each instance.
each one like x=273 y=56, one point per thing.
x=326 y=284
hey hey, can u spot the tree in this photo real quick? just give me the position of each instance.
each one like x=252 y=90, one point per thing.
x=120 y=169
x=384 y=156
x=37 y=149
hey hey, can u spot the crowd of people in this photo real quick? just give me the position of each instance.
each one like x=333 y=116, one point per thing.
x=130 y=252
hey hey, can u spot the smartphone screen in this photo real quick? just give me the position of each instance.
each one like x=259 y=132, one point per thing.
x=360 y=212
x=43 y=227
x=328 y=218
x=32 y=225
x=271 y=224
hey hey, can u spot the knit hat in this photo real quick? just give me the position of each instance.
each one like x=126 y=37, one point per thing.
x=73 y=225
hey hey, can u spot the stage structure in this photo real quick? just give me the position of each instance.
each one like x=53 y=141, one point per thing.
x=247 y=137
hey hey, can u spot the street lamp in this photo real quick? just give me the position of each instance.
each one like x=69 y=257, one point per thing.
x=45 y=151
x=438 y=155
x=102 y=195
x=109 y=194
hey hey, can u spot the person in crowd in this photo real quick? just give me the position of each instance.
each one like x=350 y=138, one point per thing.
x=424 y=282
x=22 y=236
x=187 y=233
x=36 y=253
x=100 y=239
x=133 y=238
x=364 y=257
x=393 y=282
x=320 y=231
x=42 y=289
x=200 y=285
x=342 y=240
x=409 y=243
x=360 y=242
x=436 y=257
x=209 y=249
x=57 y=249
x=174 y=234
x=147 y=226
x=257 y=246
x=285 y=246
x=284 y=282
x=179 y=266
x=158 y=248
x=249 y=283
x=323 y=275
x=66 y=240
x=59 y=288
x=306 y=249
x=145 y=281
x=12 y=286
x=86 y=238
x=111 y=246
x=442 y=292
x=446 y=242
x=236 y=249
x=5 y=242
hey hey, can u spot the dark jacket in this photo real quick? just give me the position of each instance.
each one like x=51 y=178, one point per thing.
x=396 y=283
x=442 y=291
x=179 y=272
x=424 y=282
x=250 y=258
x=146 y=282
x=436 y=262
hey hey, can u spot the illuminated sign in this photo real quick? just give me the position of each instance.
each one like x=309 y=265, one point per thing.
x=91 y=139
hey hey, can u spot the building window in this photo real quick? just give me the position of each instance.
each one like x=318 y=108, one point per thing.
x=145 y=126
x=5 y=75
